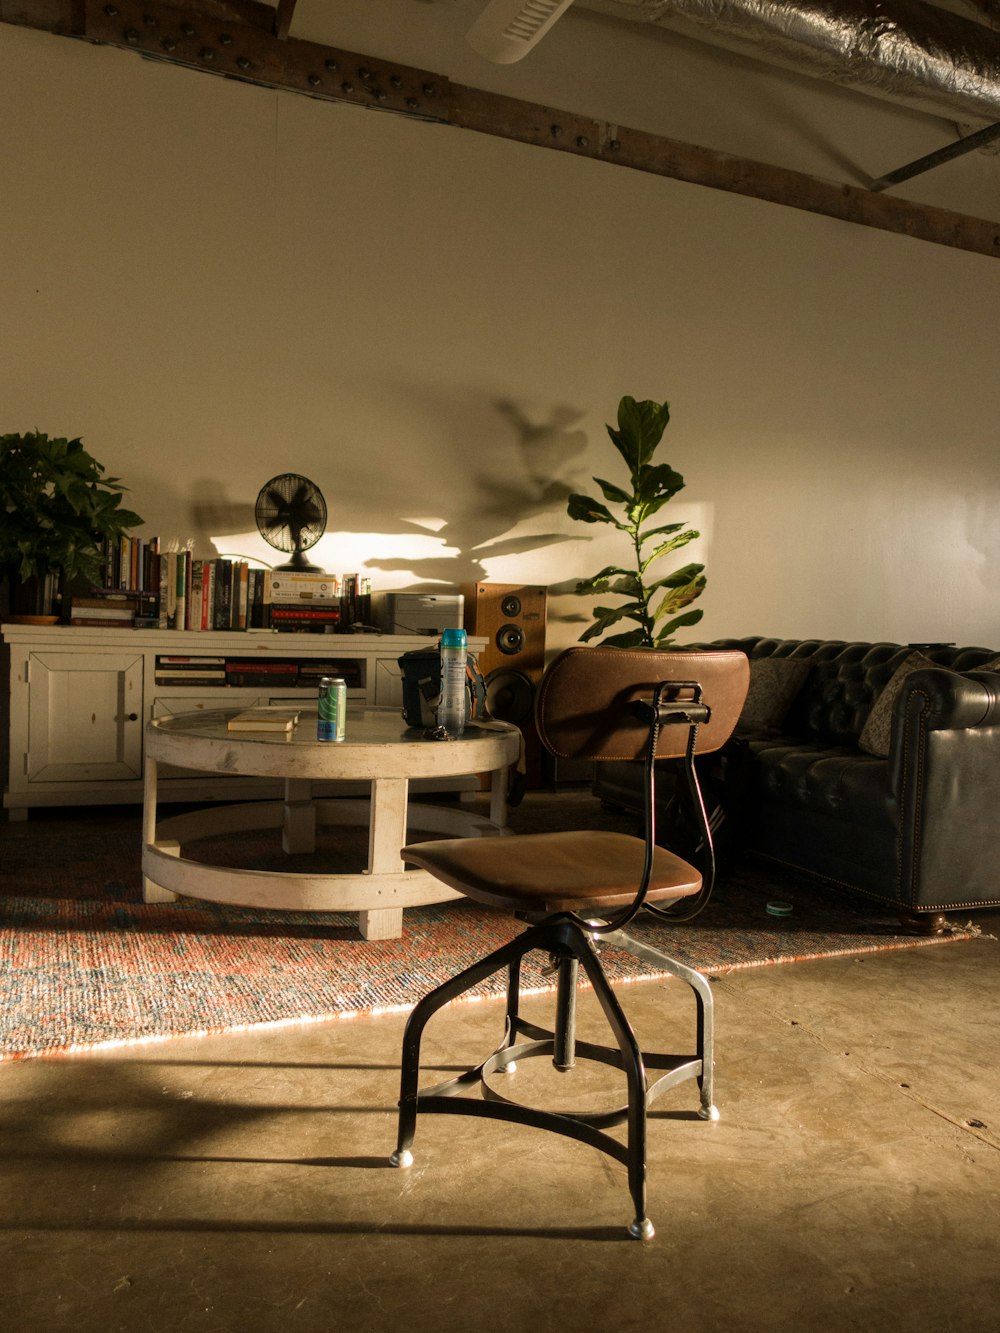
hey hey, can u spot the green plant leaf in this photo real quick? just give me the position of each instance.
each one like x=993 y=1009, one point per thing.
x=613 y=492
x=599 y=582
x=676 y=598
x=660 y=482
x=674 y=544
x=633 y=638
x=586 y=510
x=678 y=579
x=665 y=632
x=605 y=616
x=656 y=532
x=640 y=429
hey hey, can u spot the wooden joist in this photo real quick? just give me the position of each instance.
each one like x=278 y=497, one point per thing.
x=228 y=37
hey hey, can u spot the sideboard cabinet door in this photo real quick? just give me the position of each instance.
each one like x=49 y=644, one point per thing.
x=85 y=716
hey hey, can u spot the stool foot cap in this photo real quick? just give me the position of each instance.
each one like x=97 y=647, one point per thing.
x=641 y=1229
x=401 y=1157
x=708 y=1112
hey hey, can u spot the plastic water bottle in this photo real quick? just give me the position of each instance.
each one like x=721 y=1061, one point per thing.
x=453 y=705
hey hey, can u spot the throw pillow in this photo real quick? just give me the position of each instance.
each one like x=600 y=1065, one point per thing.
x=992 y=665
x=774 y=683
x=874 y=738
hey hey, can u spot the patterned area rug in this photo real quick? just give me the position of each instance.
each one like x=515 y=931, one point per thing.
x=84 y=963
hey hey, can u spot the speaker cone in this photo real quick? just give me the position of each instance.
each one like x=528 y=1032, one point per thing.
x=510 y=606
x=510 y=639
x=510 y=695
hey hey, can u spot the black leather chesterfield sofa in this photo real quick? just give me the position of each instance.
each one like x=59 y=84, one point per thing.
x=874 y=767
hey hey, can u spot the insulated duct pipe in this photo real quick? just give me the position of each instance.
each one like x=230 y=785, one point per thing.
x=908 y=52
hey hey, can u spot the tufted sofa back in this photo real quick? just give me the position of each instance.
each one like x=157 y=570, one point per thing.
x=846 y=678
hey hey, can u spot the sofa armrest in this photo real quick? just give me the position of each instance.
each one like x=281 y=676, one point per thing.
x=936 y=699
x=955 y=698
x=944 y=762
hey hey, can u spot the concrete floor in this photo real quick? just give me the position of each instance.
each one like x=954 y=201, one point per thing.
x=241 y=1182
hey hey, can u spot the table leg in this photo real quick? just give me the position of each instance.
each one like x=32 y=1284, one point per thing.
x=386 y=835
x=298 y=832
x=499 y=782
x=152 y=893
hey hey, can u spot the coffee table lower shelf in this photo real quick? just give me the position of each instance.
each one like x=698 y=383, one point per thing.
x=378 y=896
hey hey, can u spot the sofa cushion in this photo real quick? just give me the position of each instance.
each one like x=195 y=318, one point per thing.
x=874 y=738
x=774 y=683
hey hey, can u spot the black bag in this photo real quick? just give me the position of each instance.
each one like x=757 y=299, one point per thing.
x=421 y=672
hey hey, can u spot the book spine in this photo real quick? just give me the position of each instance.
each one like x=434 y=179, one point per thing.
x=208 y=615
x=222 y=590
x=93 y=622
x=197 y=595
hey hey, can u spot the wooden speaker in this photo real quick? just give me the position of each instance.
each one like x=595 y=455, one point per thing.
x=511 y=617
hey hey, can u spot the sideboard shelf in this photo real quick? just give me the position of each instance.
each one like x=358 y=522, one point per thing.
x=79 y=701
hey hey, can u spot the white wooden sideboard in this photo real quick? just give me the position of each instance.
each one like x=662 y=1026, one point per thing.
x=79 y=701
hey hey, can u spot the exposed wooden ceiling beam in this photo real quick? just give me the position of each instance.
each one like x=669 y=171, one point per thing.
x=202 y=37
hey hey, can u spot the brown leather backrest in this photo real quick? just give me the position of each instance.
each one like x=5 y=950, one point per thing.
x=583 y=708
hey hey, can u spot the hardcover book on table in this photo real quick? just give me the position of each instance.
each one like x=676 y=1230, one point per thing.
x=264 y=718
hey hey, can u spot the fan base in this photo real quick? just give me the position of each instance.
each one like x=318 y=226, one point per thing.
x=299 y=565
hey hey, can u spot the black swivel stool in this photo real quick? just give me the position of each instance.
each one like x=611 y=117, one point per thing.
x=578 y=890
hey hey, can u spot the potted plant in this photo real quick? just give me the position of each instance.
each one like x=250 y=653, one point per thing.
x=652 y=602
x=58 y=507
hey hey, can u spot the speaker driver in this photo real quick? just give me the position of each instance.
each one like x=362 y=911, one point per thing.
x=510 y=639
x=510 y=695
x=511 y=606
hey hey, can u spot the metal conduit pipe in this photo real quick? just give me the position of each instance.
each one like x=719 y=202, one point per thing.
x=906 y=51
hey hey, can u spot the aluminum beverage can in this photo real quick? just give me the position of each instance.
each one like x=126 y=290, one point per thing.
x=332 y=709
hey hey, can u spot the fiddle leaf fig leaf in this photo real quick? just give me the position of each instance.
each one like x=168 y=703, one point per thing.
x=674 y=544
x=586 y=510
x=613 y=492
x=605 y=616
x=640 y=429
x=599 y=582
x=633 y=638
x=665 y=632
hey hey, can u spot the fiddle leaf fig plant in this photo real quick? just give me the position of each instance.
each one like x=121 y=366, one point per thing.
x=56 y=507
x=655 y=603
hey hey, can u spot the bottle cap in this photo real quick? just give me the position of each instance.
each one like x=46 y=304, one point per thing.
x=454 y=638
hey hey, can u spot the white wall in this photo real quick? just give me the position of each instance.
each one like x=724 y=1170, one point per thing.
x=213 y=283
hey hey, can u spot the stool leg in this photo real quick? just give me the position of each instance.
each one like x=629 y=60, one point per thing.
x=705 y=1010
x=508 y=955
x=641 y=1228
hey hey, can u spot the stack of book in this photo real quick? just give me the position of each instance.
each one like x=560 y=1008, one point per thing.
x=178 y=670
x=311 y=672
x=304 y=602
x=106 y=609
x=261 y=675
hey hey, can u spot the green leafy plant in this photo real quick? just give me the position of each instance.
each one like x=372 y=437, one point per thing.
x=58 y=506
x=653 y=603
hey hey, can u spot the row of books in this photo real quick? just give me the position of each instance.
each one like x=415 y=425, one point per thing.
x=130 y=564
x=202 y=670
x=179 y=591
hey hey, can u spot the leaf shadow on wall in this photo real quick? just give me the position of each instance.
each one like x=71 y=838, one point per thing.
x=548 y=455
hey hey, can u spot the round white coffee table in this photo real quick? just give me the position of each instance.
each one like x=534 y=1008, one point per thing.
x=378 y=749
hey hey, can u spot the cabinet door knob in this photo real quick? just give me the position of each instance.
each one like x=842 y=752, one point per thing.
x=132 y=717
